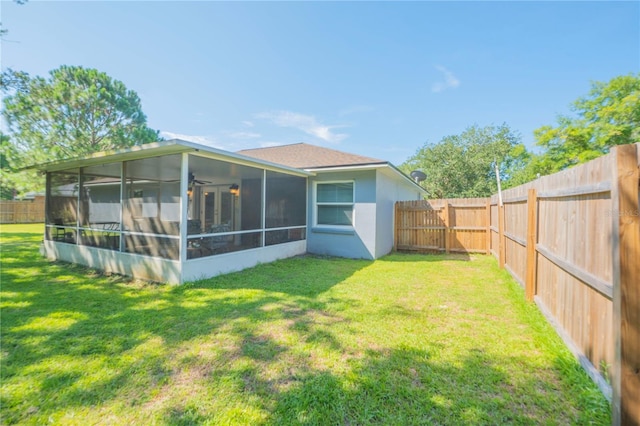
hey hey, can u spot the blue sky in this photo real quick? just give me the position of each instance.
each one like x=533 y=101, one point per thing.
x=372 y=78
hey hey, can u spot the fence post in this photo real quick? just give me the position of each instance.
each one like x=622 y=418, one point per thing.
x=626 y=287
x=501 y=243
x=447 y=242
x=532 y=239
x=488 y=217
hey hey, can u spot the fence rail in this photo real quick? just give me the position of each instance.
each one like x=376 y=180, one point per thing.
x=29 y=211
x=452 y=225
x=572 y=240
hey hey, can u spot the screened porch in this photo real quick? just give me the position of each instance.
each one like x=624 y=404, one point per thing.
x=179 y=207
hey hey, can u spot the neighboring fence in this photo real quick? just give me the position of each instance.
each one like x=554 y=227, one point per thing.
x=450 y=225
x=572 y=240
x=29 y=211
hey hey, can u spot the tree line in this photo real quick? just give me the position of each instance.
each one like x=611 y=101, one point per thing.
x=77 y=111
x=464 y=165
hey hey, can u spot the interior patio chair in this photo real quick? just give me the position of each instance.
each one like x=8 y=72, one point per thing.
x=58 y=233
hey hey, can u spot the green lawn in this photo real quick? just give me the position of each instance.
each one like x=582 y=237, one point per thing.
x=407 y=339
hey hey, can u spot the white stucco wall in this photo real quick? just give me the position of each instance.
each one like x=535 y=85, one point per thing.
x=371 y=237
x=389 y=189
x=358 y=242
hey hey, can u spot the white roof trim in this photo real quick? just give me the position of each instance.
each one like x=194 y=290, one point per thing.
x=174 y=146
x=340 y=168
x=387 y=165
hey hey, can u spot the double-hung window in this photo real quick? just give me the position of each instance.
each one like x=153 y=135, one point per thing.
x=334 y=203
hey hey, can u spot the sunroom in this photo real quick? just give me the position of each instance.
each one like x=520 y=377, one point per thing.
x=174 y=211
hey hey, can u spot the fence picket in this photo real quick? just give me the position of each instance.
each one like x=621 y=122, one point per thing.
x=29 y=211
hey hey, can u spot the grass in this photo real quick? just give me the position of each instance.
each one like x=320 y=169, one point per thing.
x=407 y=339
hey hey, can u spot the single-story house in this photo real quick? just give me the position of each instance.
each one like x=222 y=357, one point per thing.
x=176 y=211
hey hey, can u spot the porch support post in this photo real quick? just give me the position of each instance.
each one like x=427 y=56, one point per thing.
x=47 y=208
x=123 y=200
x=78 y=201
x=184 y=209
x=264 y=206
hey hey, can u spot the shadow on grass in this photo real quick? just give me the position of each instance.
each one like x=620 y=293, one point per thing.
x=84 y=339
x=21 y=237
x=72 y=341
x=400 y=386
x=306 y=275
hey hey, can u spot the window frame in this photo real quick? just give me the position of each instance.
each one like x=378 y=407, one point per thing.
x=352 y=204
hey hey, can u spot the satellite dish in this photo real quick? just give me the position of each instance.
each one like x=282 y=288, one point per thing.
x=418 y=176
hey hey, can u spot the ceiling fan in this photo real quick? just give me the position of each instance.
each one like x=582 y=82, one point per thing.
x=192 y=180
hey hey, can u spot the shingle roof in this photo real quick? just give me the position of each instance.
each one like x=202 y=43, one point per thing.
x=305 y=156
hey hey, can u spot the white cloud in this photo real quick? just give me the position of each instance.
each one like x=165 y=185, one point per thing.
x=450 y=80
x=305 y=123
x=248 y=123
x=204 y=140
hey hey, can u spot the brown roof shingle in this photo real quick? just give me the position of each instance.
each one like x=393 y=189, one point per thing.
x=305 y=156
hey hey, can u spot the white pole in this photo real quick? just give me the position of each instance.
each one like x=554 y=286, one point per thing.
x=498 y=180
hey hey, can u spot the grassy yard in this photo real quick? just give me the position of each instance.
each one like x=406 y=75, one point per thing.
x=407 y=339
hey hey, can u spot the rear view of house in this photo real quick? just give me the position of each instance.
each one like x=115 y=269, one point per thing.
x=351 y=198
x=176 y=211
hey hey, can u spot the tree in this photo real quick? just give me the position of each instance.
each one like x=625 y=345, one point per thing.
x=463 y=165
x=609 y=115
x=14 y=181
x=12 y=81
x=6 y=187
x=75 y=112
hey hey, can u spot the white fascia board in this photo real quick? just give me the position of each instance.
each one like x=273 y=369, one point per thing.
x=406 y=178
x=346 y=168
x=133 y=153
x=174 y=146
x=389 y=168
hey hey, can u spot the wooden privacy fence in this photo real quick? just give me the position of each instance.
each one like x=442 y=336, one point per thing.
x=28 y=211
x=449 y=225
x=572 y=240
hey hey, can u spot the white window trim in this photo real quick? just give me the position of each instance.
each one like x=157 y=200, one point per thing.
x=315 y=204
